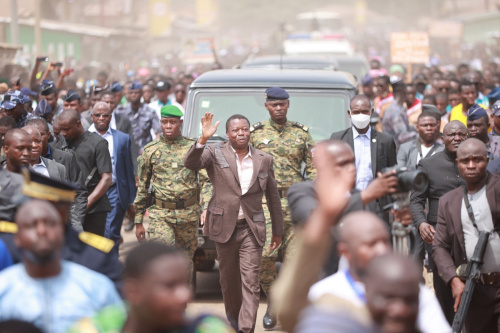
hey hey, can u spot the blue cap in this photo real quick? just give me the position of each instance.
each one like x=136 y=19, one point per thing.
x=115 y=87
x=276 y=93
x=47 y=87
x=71 y=96
x=43 y=108
x=135 y=85
x=496 y=108
x=28 y=92
x=494 y=95
x=11 y=99
x=366 y=80
x=475 y=112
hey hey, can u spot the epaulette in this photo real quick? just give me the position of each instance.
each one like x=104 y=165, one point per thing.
x=102 y=244
x=8 y=227
x=299 y=125
x=152 y=143
x=256 y=126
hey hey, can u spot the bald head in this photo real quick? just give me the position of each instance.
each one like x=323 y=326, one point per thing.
x=472 y=146
x=335 y=156
x=69 y=115
x=14 y=135
x=453 y=125
x=392 y=292
x=101 y=106
x=360 y=99
x=362 y=236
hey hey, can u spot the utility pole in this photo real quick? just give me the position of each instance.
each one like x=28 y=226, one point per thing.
x=38 y=31
x=14 y=24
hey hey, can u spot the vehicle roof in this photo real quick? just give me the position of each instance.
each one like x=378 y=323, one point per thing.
x=285 y=78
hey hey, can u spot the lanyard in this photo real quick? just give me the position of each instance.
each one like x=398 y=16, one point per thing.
x=358 y=291
x=419 y=148
x=470 y=212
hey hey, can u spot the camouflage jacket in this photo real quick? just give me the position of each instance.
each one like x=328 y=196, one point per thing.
x=162 y=166
x=289 y=145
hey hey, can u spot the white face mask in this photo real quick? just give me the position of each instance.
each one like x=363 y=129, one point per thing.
x=360 y=121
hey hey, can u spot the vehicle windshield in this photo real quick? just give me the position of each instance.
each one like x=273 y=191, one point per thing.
x=357 y=69
x=323 y=112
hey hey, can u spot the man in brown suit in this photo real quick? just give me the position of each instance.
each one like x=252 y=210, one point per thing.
x=457 y=235
x=240 y=175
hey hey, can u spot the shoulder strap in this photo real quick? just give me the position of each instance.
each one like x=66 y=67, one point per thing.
x=90 y=176
x=102 y=244
x=256 y=126
x=299 y=125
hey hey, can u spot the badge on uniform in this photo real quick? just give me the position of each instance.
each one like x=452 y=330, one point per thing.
x=266 y=141
x=174 y=165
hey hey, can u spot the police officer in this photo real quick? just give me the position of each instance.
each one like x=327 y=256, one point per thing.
x=174 y=214
x=290 y=144
x=89 y=250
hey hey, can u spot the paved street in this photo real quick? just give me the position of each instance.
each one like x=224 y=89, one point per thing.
x=208 y=298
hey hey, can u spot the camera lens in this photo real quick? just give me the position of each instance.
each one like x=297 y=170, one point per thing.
x=420 y=181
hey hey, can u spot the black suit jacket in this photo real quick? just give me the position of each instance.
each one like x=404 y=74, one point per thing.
x=123 y=125
x=448 y=248
x=383 y=151
x=443 y=177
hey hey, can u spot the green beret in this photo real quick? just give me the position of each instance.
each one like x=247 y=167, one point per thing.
x=170 y=111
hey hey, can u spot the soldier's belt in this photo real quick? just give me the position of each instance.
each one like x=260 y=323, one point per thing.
x=489 y=278
x=282 y=192
x=181 y=204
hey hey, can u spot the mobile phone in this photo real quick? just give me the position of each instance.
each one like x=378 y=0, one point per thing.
x=42 y=58
x=57 y=64
x=70 y=70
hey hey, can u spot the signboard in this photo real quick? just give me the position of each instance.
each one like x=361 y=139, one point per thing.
x=199 y=50
x=409 y=48
x=159 y=17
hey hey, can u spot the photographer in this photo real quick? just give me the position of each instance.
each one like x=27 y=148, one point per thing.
x=443 y=176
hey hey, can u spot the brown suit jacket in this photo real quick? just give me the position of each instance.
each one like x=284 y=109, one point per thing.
x=448 y=248
x=222 y=215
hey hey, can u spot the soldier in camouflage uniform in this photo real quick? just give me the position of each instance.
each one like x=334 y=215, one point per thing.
x=290 y=144
x=175 y=210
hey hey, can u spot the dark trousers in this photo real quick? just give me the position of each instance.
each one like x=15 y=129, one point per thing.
x=95 y=223
x=239 y=263
x=115 y=217
x=484 y=309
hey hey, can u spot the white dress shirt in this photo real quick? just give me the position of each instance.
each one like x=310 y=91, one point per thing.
x=363 y=155
x=245 y=173
x=41 y=168
x=108 y=136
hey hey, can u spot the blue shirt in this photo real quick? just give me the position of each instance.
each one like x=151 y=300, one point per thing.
x=54 y=304
x=5 y=257
x=363 y=155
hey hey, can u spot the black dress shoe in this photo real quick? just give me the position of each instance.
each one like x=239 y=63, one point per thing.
x=129 y=226
x=269 y=320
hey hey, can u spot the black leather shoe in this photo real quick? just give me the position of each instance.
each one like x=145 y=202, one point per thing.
x=129 y=226
x=269 y=320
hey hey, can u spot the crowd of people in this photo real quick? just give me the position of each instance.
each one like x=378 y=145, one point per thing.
x=79 y=160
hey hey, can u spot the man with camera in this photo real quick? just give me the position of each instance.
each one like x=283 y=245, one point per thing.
x=442 y=172
x=463 y=213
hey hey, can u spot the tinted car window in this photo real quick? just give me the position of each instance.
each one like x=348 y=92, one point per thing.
x=323 y=112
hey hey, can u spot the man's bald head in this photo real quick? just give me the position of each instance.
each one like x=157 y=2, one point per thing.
x=70 y=116
x=362 y=236
x=360 y=99
x=334 y=156
x=32 y=131
x=14 y=135
x=454 y=124
x=392 y=292
x=101 y=106
x=472 y=145
x=35 y=209
x=472 y=161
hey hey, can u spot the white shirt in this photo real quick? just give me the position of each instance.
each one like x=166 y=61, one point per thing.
x=108 y=136
x=425 y=151
x=363 y=155
x=484 y=221
x=430 y=317
x=245 y=173
x=112 y=124
x=41 y=168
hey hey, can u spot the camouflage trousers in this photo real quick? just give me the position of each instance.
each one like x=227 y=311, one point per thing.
x=267 y=273
x=183 y=235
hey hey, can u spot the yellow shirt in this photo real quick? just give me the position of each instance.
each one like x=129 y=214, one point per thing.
x=457 y=113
